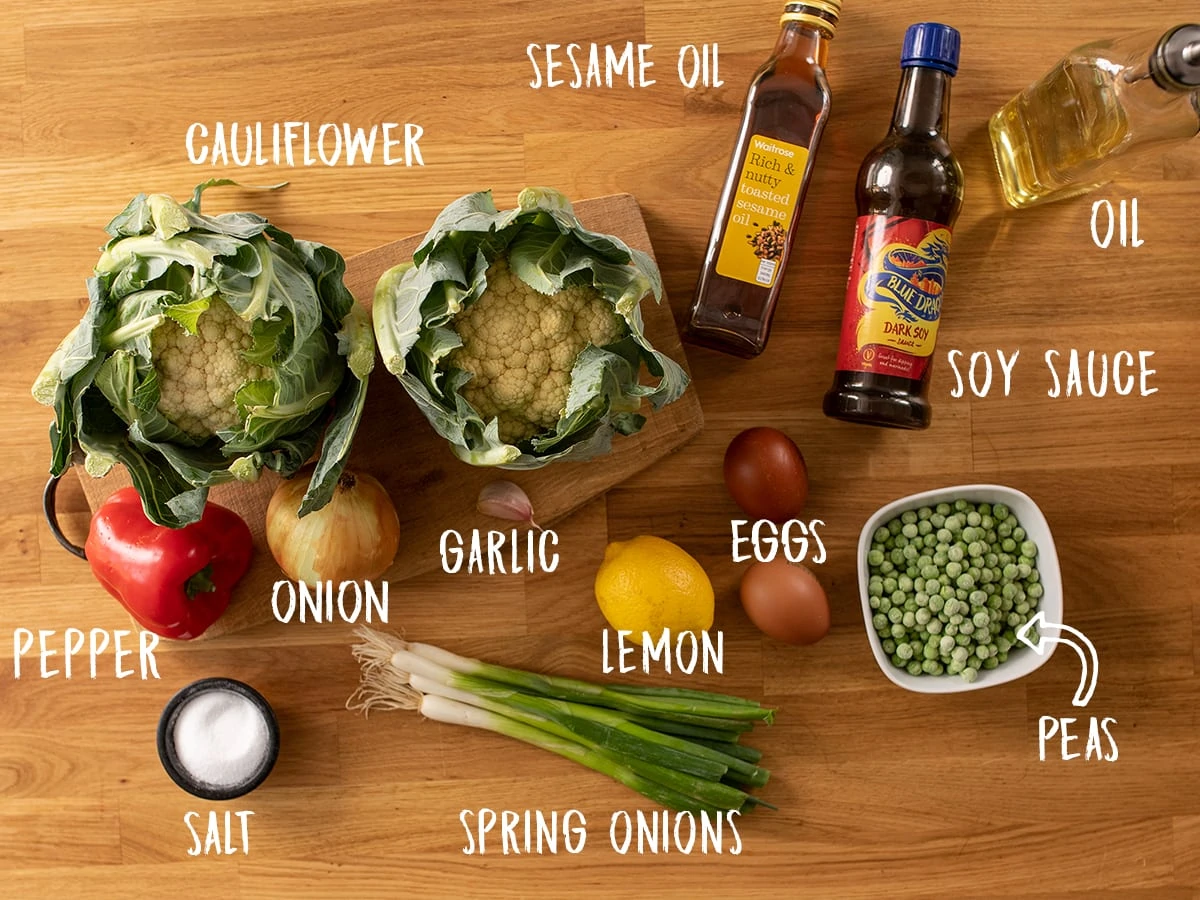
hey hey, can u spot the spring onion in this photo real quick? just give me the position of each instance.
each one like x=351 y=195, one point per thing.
x=677 y=747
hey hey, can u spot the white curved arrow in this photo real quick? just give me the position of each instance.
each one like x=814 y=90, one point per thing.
x=1087 y=685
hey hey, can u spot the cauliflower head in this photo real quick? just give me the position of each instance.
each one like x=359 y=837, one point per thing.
x=200 y=374
x=520 y=347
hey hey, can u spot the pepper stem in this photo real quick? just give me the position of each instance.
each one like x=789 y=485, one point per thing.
x=200 y=583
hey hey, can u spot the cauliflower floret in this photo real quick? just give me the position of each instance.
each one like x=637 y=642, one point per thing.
x=520 y=346
x=199 y=374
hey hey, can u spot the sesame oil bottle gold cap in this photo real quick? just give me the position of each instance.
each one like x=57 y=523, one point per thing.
x=818 y=13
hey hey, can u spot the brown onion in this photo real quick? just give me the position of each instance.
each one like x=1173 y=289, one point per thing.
x=353 y=538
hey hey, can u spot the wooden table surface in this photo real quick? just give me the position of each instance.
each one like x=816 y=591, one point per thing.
x=882 y=793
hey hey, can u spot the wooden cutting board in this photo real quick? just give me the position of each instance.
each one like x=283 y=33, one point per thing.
x=433 y=490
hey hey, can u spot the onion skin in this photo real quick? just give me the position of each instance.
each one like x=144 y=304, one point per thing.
x=354 y=537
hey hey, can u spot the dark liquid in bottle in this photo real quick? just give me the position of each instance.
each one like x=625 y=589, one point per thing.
x=911 y=174
x=789 y=103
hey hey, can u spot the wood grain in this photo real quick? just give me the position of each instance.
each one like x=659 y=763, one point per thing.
x=433 y=490
x=883 y=794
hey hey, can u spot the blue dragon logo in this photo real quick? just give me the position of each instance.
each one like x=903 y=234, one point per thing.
x=909 y=279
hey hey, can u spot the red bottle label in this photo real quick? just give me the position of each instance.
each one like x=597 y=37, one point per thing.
x=894 y=296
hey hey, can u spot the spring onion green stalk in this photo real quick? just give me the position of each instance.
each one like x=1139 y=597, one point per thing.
x=578 y=720
x=687 y=703
x=441 y=709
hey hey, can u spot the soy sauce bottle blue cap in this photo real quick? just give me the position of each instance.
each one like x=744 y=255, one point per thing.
x=932 y=45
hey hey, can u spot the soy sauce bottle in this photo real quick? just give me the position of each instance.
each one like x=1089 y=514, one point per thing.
x=909 y=192
x=785 y=114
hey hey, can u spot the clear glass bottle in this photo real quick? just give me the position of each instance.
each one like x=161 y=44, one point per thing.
x=757 y=215
x=1095 y=112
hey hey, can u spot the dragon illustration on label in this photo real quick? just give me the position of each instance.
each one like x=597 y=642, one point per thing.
x=894 y=296
x=901 y=294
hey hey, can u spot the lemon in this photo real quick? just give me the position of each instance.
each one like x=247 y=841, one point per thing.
x=648 y=584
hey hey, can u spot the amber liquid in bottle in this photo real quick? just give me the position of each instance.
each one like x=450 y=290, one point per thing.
x=787 y=107
x=911 y=174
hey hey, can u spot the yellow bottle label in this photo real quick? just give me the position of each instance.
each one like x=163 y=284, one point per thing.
x=761 y=211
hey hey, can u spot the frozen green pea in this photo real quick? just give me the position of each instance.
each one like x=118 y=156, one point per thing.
x=923 y=616
x=948 y=593
x=991 y=662
x=897 y=661
x=955 y=554
x=969 y=674
x=946 y=645
x=935 y=626
x=976 y=549
x=973 y=661
x=890 y=584
x=981 y=651
x=937 y=603
x=909 y=619
x=924 y=512
x=895 y=614
x=953 y=569
x=886 y=567
x=957 y=619
x=919 y=584
x=875 y=558
x=1014 y=620
x=904 y=583
x=942 y=509
x=962 y=594
x=1035 y=591
x=910 y=530
x=974 y=518
x=1002 y=656
x=884 y=604
x=1022 y=609
x=898 y=632
x=875 y=589
x=963 y=640
x=894 y=526
x=951 y=629
x=1003 y=644
x=913 y=668
x=932 y=667
x=1009 y=591
x=889 y=646
x=900 y=542
x=1034 y=577
x=1023 y=569
x=937 y=520
x=881 y=534
x=873 y=602
x=959 y=654
x=880 y=621
x=981 y=619
x=961 y=505
x=944 y=535
x=965 y=581
x=1018 y=534
x=930 y=651
x=924 y=527
x=995 y=602
x=904 y=651
x=940 y=559
x=908 y=517
x=896 y=556
x=954 y=524
x=911 y=553
x=1008 y=545
x=930 y=571
x=987 y=575
x=991 y=560
x=1000 y=511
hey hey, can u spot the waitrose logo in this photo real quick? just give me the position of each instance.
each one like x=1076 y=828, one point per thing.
x=768 y=147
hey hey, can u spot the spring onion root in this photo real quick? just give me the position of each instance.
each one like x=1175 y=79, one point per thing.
x=678 y=747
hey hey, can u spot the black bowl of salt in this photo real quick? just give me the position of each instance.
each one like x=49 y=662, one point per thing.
x=218 y=738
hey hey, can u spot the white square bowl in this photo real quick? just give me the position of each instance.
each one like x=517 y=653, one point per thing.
x=1021 y=661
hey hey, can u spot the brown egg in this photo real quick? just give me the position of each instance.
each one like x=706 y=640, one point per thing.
x=785 y=602
x=766 y=475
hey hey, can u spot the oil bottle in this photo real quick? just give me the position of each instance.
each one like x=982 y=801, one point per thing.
x=755 y=228
x=1095 y=112
x=909 y=193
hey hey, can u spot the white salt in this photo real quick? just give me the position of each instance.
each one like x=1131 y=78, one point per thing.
x=221 y=739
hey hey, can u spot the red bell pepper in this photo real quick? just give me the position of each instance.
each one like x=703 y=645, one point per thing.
x=175 y=582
